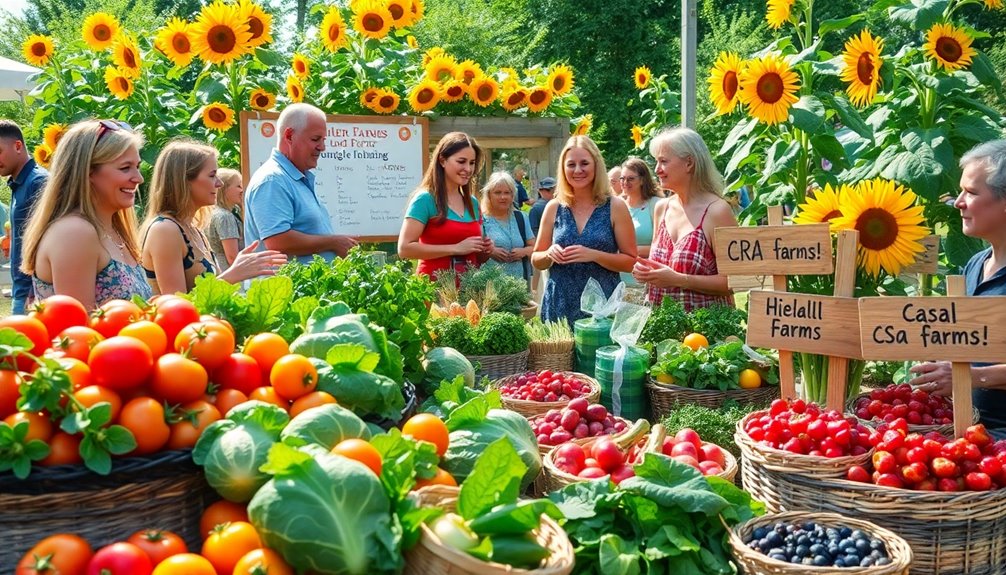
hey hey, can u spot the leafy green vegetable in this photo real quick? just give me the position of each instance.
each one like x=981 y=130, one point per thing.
x=269 y=305
x=668 y=321
x=362 y=391
x=473 y=430
x=507 y=294
x=495 y=479
x=333 y=324
x=715 y=367
x=451 y=394
x=713 y=425
x=719 y=322
x=446 y=363
x=498 y=333
x=452 y=332
x=325 y=425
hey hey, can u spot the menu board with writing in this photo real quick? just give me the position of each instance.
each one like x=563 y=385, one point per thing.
x=364 y=178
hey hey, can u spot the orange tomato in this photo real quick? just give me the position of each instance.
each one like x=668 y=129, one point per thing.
x=39 y=426
x=64 y=449
x=178 y=379
x=293 y=376
x=34 y=330
x=197 y=415
x=227 y=544
x=76 y=341
x=313 y=399
x=749 y=379
x=144 y=418
x=219 y=513
x=158 y=544
x=442 y=477
x=185 y=564
x=10 y=392
x=360 y=450
x=208 y=342
x=226 y=399
x=269 y=395
x=94 y=394
x=695 y=341
x=262 y=562
x=265 y=349
x=61 y=554
x=149 y=333
x=428 y=427
x=78 y=372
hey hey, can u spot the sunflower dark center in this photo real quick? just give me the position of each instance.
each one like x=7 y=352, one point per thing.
x=334 y=33
x=455 y=91
x=123 y=84
x=256 y=27
x=425 y=96
x=261 y=100
x=878 y=229
x=949 y=49
x=831 y=215
x=129 y=58
x=865 y=68
x=368 y=97
x=730 y=85
x=221 y=39
x=180 y=42
x=468 y=76
x=217 y=115
x=641 y=79
x=515 y=99
x=373 y=22
x=558 y=83
x=386 y=102
x=484 y=93
x=301 y=66
x=770 y=87
x=38 y=49
x=396 y=11
x=537 y=97
x=102 y=32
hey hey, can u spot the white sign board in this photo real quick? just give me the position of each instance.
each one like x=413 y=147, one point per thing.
x=370 y=167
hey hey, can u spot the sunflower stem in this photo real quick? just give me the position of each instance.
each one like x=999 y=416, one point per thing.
x=926 y=283
x=234 y=85
x=62 y=88
x=803 y=168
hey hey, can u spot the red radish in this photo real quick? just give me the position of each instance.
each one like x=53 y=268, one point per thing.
x=688 y=435
x=712 y=452
x=570 y=419
x=592 y=473
x=622 y=473
x=669 y=444
x=573 y=453
x=608 y=454
x=685 y=448
x=579 y=405
x=687 y=460
x=596 y=412
x=710 y=468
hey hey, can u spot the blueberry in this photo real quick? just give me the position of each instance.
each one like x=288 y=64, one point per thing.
x=866 y=562
x=839 y=562
x=818 y=549
x=876 y=544
x=803 y=540
x=845 y=532
x=760 y=532
x=858 y=534
x=821 y=561
x=862 y=545
x=883 y=561
x=778 y=556
x=851 y=559
x=802 y=551
x=773 y=539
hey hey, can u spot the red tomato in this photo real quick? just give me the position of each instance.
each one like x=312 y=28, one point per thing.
x=61 y=554
x=10 y=383
x=178 y=379
x=121 y=362
x=265 y=349
x=226 y=399
x=59 y=312
x=157 y=544
x=239 y=371
x=209 y=342
x=34 y=330
x=39 y=426
x=221 y=512
x=114 y=315
x=173 y=313
x=76 y=341
x=120 y=559
x=267 y=394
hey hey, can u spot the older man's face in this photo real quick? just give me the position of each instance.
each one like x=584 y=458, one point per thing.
x=307 y=144
x=983 y=214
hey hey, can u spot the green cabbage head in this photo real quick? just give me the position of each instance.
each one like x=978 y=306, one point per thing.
x=468 y=442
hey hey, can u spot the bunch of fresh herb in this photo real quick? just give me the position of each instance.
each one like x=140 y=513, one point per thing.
x=713 y=425
x=668 y=321
x=270 y=304
x=499 y=333
x=451 y=332
x=715 y=367
x=719 y=322
x=550 y=336
x=505 y=292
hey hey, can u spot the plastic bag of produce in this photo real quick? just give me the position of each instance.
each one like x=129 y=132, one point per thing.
x=621 y=369
x=593 y=332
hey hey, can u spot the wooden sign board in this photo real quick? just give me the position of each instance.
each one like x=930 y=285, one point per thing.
x=804 y=323
x=928 y=261
x=774 y=250
x=748 y=283
x=962 y=329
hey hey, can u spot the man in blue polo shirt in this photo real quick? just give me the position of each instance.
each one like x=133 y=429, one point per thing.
x=282 y=209
x=26 y=180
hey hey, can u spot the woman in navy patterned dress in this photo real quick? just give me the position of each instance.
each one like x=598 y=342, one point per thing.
x=585 y=233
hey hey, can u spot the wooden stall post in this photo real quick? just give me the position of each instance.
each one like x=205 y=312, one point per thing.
x=845 y=286
x=787 y=377
x=960 y=372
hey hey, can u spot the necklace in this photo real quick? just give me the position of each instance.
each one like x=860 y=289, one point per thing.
x=120 y=245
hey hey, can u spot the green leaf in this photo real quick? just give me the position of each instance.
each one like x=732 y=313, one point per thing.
x=959 y=247
x=780 y=158
x=515 y=518
x=669 y=541
x=268 y=298
x=13 y=340
x=850 y=116
x=270 y=58
x=839 y=23
x=36 y=449
x=96 y=457
x=828 y=147
x=973 y=129
x=352 y=356
x=472 y=411
x=119 y=440
x=985 y=71
x=739 y=131
x=304 y=306
x=494 y=480
x=285 y=460
x=919 y=14
x=807 y=114
x=742 y=505
x=99 y=414
x=674 y=484
x=404 y=461
x=75 y=422
x=21 y=467
x=212 y=293
x=619 y=556
x=210 y=90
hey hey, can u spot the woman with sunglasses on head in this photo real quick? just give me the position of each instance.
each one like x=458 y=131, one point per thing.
x=225 y=228
x=642 y=195
x=175 y=251
x=81 y=238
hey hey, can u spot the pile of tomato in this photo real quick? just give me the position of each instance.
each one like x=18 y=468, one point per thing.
x=915 y=406
x=798 y=427
x=164 y=371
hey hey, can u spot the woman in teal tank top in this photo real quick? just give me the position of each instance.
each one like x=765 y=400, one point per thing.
x=642 y=194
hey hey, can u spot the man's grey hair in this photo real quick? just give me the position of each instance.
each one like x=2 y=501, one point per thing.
x=992 y=155
x=295 y=116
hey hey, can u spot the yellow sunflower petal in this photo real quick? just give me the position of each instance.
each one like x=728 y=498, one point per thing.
x=441 y=68
x=484 y=91
x=367 y=96
x=261 y=100
x=778 y=12
x=637 y=136
x=464 y=72
x=294 y=89
x=301 y=66
x=372 y=19
x=583 y=126
x=560 y=79
x=724 y=82
x=386 y=102
x=539 y=99
x=642 y=77
x=432 y=53
x=126 y=54
x=418 y=8
x=175 y=42
x=994 y=4
x=425 y=95
x=118 y=83
x=52 y=134
x=949 y=46
x=37 y=49
x=259 y=23
x=823 y=207
x=99 y=30
x=43 y=155
x=217 y=116
x=219 y=35
x=861 y=69
x=333 y=30
x=768 y=87
x=401 y=12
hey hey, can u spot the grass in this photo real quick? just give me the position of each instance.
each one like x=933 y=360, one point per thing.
x=5 y=304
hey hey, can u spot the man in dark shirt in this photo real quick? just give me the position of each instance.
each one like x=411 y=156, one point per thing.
x=546 y=189
x=521 y=198
x=26 y=180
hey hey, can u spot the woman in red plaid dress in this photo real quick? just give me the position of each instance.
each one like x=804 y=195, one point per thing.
x=682 y=263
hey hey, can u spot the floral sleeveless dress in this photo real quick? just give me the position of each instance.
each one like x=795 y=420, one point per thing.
x=566 y=281
x=117 y=280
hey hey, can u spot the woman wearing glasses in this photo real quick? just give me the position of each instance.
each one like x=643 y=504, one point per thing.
x=640 y=192
x=81 y=239
x=175 y=251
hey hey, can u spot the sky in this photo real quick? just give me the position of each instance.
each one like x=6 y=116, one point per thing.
x=15 y=7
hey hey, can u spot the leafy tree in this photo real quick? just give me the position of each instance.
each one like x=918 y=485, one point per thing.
x=491 y=32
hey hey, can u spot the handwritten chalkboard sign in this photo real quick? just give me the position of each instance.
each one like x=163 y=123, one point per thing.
x=365 y=176
x=804 y=323
x=774 y=250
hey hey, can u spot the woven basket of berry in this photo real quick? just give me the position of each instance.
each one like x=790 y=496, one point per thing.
x=799 y=542
x=579 y=421
x=923 y=411
x=535 y=393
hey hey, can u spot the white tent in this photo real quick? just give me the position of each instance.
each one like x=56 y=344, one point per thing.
x=14 y=79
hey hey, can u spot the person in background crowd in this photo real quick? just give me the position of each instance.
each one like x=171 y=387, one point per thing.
x=615 y=181
x=225 y=229
x=521 y=199
x=282 y=210
x=81 y=240
x=642 y=195
x=585 y=233
x=443 y=225
x=982 y=203
x=546 y=191
x=175 y=251
x=682 y=263
x=26 y=180
x=508 y=227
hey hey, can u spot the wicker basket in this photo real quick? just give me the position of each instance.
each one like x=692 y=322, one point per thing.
x=497 y=366
x=533 y=408
x=545 y=356
x=664 y=396
x=166 y=491
x=753 y=562
x=430 y=557
x=947 y=429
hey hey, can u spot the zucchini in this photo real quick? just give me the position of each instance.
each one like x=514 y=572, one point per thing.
x=521 y=551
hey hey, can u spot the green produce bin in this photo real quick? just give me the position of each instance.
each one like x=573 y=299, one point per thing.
x=632 y=400
x=589 y=334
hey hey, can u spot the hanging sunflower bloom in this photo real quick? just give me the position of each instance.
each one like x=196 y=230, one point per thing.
x=42 y=155
x=372 y=20
x=294 y=89
x=466 y=72
x=539 y=99
x=333 y=30
x=642 y=77
x=259 y=23
x=99 y=30
x=637 y=136
x=368 y=96
x=949 y=46
x=454 y=91
x=441 y=68
x=386 y=102
x=432 y=53
x=219 y=117
x=583 y=125
x=301 y=67
x=484 y=91
x=560 y=79
x=513 y=99
x=126 y=55
x=417 y=8
x=424 y=96
x=118 y=83
x=175 y=42
x=768 y=87
x=823 y=206
x=219 y=35
x=724 y=83
x=890 y=226
x=412 y=42
x=778 y=13
x=37 y=49
x=862 y=67
x=52 y=134
x=401 y=12
x=261 y=100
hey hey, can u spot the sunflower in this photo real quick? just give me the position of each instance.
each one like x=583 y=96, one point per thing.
x=723 y=82
x=637 y=136
x=368 y=96
x=418 y=8
x=950 y=46
x=514 y=98
x=465 y=72
x=994 y=4
x=118 y=83
x=37 y=49
x=560 y=79
x=372 y=20
x=425 y=95
x=484 y=91
x=219 y=35
x=175 y=42
x=43 y=155
x=52 y=134
x=768 y=87
x=261 y=100
x=823 y=207
x=862 y=67
x=411 y=41
x=126 y=54
x=432 y=53
x=219 y=117
x=539 y=98
x=333 y=30
x=583 y=126
x=642 y=77
x=401 y=12
x=778 y=12
x=301 y=67
x=889 y=225
x=294 y=89
x=259 y=22
x=441 y=68
x=386 y=102
x=454 y=91
x=99 y=30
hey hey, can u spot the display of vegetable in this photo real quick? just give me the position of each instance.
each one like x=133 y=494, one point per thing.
x=497 y=333
x=669 y=320
x=446 y=363
x=713 y=425
x=720 y=366
x=490 y=287
x=720 y=322
x=325 y=425
x=665 y=519
x=269 y=304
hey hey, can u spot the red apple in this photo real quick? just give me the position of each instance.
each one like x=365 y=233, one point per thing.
x=685 y=448
x=712 y=452
x=689 y=435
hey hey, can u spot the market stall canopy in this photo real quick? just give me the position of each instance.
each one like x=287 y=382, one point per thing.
x=15 y=79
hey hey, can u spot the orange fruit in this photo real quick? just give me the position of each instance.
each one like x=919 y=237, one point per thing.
x=695 y=341
x=360 y=450
x=428 y=427
x=750 y=379
x=441 y=478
